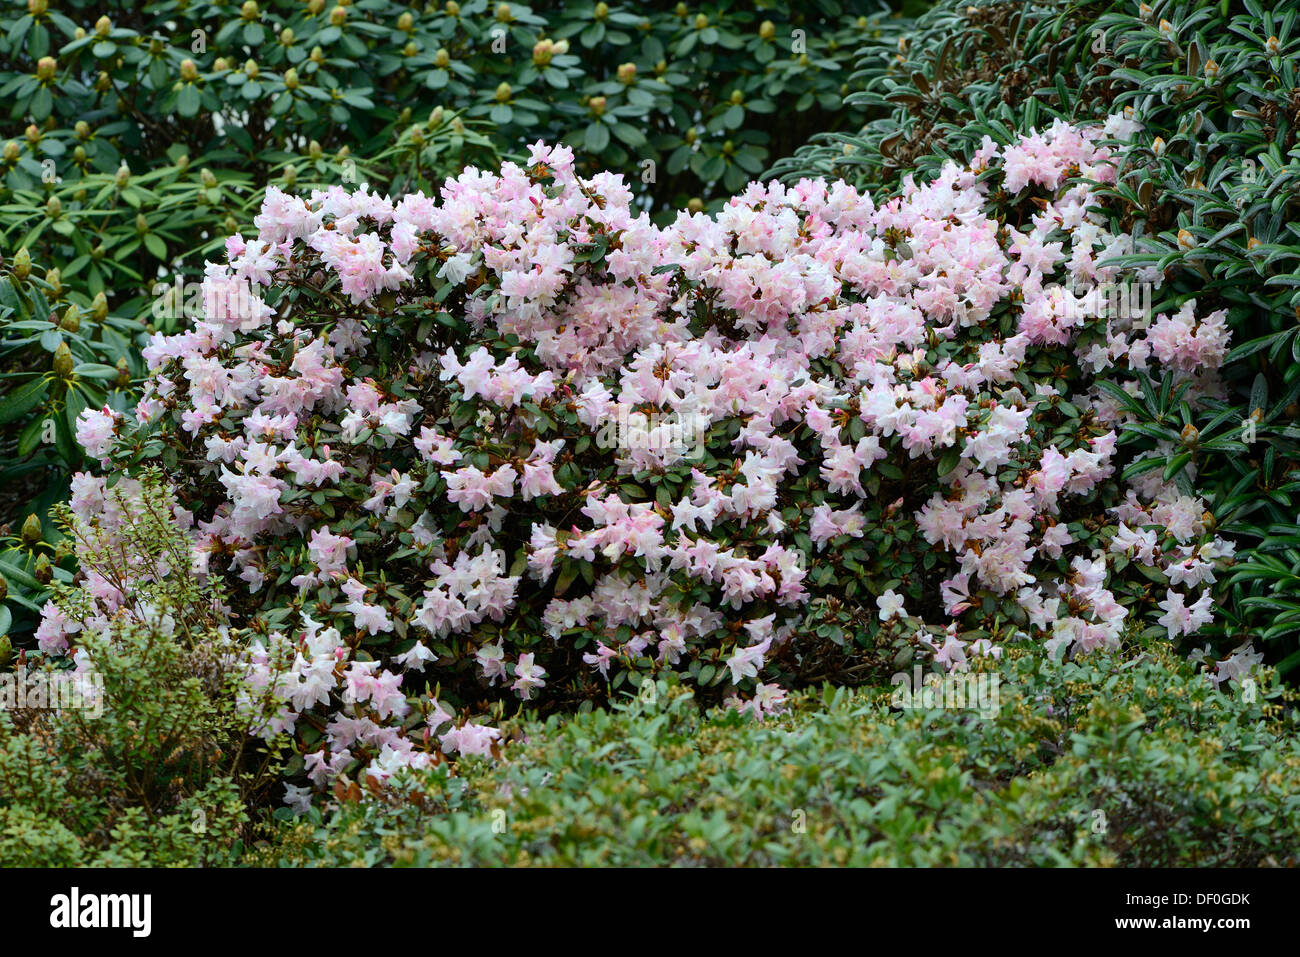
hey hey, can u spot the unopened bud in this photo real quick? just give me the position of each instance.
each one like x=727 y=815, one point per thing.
x=71 y=321
x=22 y=263
x=31 y=533
x=62 y=362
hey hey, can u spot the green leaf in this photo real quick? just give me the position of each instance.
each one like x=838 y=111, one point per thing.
x=23 y=399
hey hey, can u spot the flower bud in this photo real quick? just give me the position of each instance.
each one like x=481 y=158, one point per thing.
x=12 y=152
x=701 y=21
x=503 y=13
x=251 y=70
x=46 y=67
x=71 y=321
x=442 y=59
x=502 y=94
x=189 y=71
x=597 y=105
x=122 y=176
x=4 y=591
x=291 y=79
x=54 y=279
x=1273 y=46
x=767 y=30
x=338 y=16
x=406 y=23
x=43 y=573
x=626 y=73
x=99 y=306
x=22 y=263
x=249 y=10
x=452 y=8
x=696 y=205
x=62 y=362
x=103 y=26
x=31 y=533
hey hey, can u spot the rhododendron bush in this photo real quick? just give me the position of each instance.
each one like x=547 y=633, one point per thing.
x=516 y=443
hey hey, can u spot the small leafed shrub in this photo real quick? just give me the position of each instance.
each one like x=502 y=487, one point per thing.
x=1096 y=762
x=145 y=760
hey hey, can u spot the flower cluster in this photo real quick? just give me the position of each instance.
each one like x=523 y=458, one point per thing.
x=389 y=432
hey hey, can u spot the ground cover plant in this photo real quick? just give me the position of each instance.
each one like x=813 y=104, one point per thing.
x=1100 y=762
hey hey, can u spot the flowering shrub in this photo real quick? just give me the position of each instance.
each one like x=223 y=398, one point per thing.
x=1208 y=191
x=430 y=441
